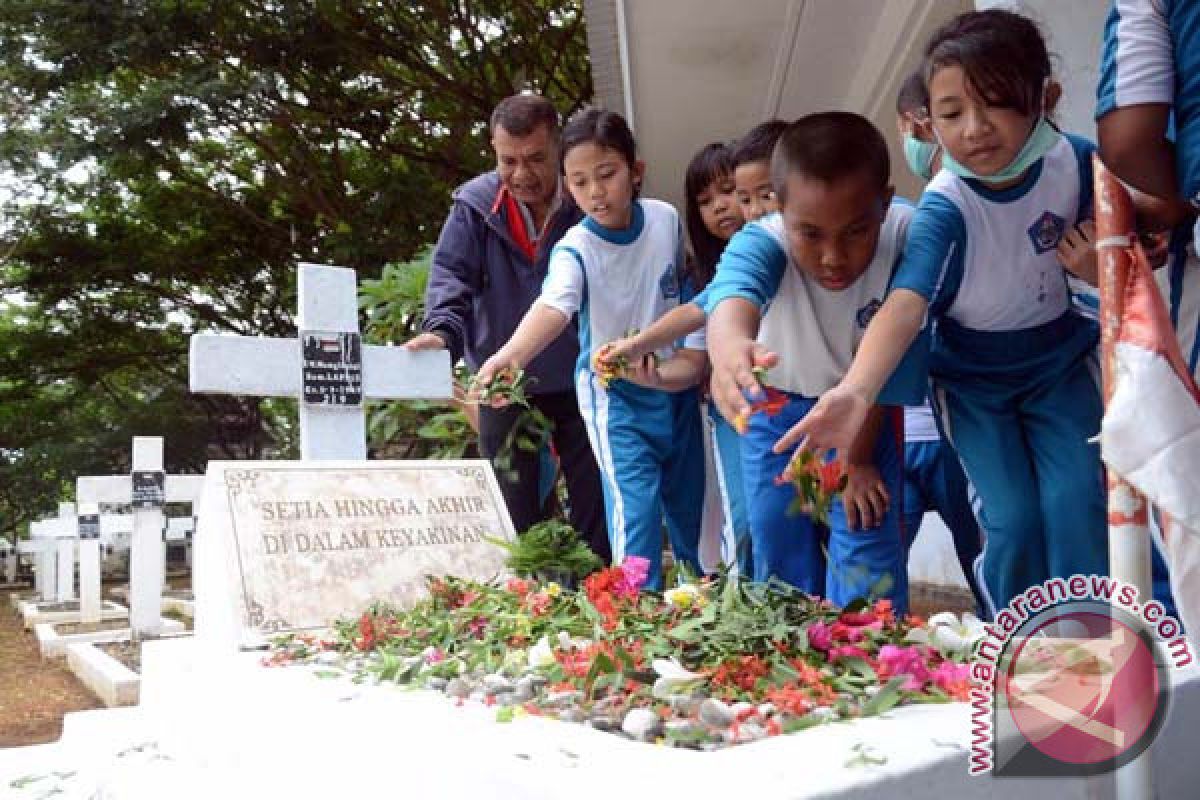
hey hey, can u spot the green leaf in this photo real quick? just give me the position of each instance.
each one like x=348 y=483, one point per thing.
x=886 y=698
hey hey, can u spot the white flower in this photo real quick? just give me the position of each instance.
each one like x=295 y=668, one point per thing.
x=949 y=634
x=685 y=596
x=673 y=678
x=541 y=654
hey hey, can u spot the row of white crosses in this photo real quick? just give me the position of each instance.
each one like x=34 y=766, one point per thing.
x=333 y=426
x=148 y=488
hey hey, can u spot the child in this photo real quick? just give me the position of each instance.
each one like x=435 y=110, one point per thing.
x=933 y=476
x=621 y=268
x=713 y=216
x=752 y=169
x=1009 y=362
x=841 y=234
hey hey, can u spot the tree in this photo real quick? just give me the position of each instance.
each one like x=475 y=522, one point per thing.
x=171 y=161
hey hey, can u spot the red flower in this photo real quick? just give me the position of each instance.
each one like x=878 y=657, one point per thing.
x=741 y=672
x=518 y=586
x=366 y=632
x=832 y=477
x=772 y=403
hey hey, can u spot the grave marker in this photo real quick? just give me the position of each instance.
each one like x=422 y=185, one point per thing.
x=150 y=488
x=45 y=567
x=89 y=563
x=291 y=545
x=63 y=529
x=10 y=562
x=327 y=367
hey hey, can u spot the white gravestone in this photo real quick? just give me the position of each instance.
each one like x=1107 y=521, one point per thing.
x=46 y=566
x=326 y=367
x=9 y=551
x=89 y=563
x=63 y=527
x=285 y=545
x=148 y=489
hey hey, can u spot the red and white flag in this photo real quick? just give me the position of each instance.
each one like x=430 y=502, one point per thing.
x=1151 y=431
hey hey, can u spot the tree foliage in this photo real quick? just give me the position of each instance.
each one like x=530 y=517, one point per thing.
x=166 y=164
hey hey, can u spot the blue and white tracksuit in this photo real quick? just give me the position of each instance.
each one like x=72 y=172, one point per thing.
x=647 y=442
x=815 y=332
x=1151 y=54
x=1011 y=365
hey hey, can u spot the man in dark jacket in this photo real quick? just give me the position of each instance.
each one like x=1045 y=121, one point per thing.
x=487 y=270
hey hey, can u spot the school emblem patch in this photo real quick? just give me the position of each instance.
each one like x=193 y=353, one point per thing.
x=864 y=314
x=1047 y=232
x=669 y=284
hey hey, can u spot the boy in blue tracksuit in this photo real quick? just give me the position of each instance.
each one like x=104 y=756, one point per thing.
x=823 y=266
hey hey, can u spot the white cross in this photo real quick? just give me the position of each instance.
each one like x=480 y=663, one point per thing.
x=146 y=559
x=262 y=367
x=41 y=543
x=63 y=529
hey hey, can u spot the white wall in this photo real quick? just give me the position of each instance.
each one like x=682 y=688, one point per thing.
x=1073 y=30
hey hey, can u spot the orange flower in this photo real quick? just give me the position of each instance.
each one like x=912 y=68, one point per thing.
x=772 y=402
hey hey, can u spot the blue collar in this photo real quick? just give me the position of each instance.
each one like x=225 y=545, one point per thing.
x=1012 y=192
x=627 y=235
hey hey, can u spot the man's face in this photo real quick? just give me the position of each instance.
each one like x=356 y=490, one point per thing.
x=528 y=165
x=833 y=228
x=755 y=196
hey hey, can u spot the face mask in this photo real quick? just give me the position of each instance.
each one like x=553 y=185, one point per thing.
x=920 y=155
x=1040 y=140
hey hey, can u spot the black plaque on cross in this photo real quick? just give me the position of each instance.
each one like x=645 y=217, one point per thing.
x=332 y=374
x=149 y=489
x=89 y=526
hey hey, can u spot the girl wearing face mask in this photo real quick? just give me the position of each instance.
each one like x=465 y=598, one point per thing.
x=1009 y=361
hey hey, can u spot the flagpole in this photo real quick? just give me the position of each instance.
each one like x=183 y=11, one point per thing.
x=1128 y=518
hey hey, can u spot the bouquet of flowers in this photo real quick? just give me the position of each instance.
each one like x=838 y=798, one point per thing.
x=816 y=482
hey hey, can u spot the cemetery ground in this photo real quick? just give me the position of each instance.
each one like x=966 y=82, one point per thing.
x=35 y=692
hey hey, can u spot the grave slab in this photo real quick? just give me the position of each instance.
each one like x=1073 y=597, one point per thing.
x=34 y=613
x=258 y=731
x=53 y=644
x=293 y=545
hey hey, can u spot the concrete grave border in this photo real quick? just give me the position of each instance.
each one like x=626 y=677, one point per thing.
x=53 y=644
x=33 y=616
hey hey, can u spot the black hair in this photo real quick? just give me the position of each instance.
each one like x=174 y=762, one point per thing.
x=830 y=146
x=758 y=143
x=713 y=162
x=522 y=114
x=600 y=127
x=1002 y=54
x=913 y=96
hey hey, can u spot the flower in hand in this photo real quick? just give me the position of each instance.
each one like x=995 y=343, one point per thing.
x=816 y=482
x=504 y=387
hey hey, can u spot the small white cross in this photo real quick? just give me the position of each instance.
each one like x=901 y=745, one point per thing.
x=146 y=558
x=263 y=367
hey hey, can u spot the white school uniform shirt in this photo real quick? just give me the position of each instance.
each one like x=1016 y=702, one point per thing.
x=619 y=280
x=816 y=331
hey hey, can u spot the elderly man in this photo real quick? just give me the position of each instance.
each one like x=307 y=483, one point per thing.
x=487 y=270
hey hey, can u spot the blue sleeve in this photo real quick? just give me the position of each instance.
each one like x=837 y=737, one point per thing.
x=454 y=275
x=1083 y=155
x=933 y=253
x=751 y=267
x=1136 y=60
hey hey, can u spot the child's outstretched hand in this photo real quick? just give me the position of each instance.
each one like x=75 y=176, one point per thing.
x=733 y=366
x=644 y=372
x=832 y=424
x=865 y=497
x=1077 y=252
x=478 y=391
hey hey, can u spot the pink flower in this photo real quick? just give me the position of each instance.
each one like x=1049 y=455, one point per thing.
x=910 y=661
x=634 y=570
x=953 y=679
x=847 y=651
x=435 y=655
x=820 y=636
